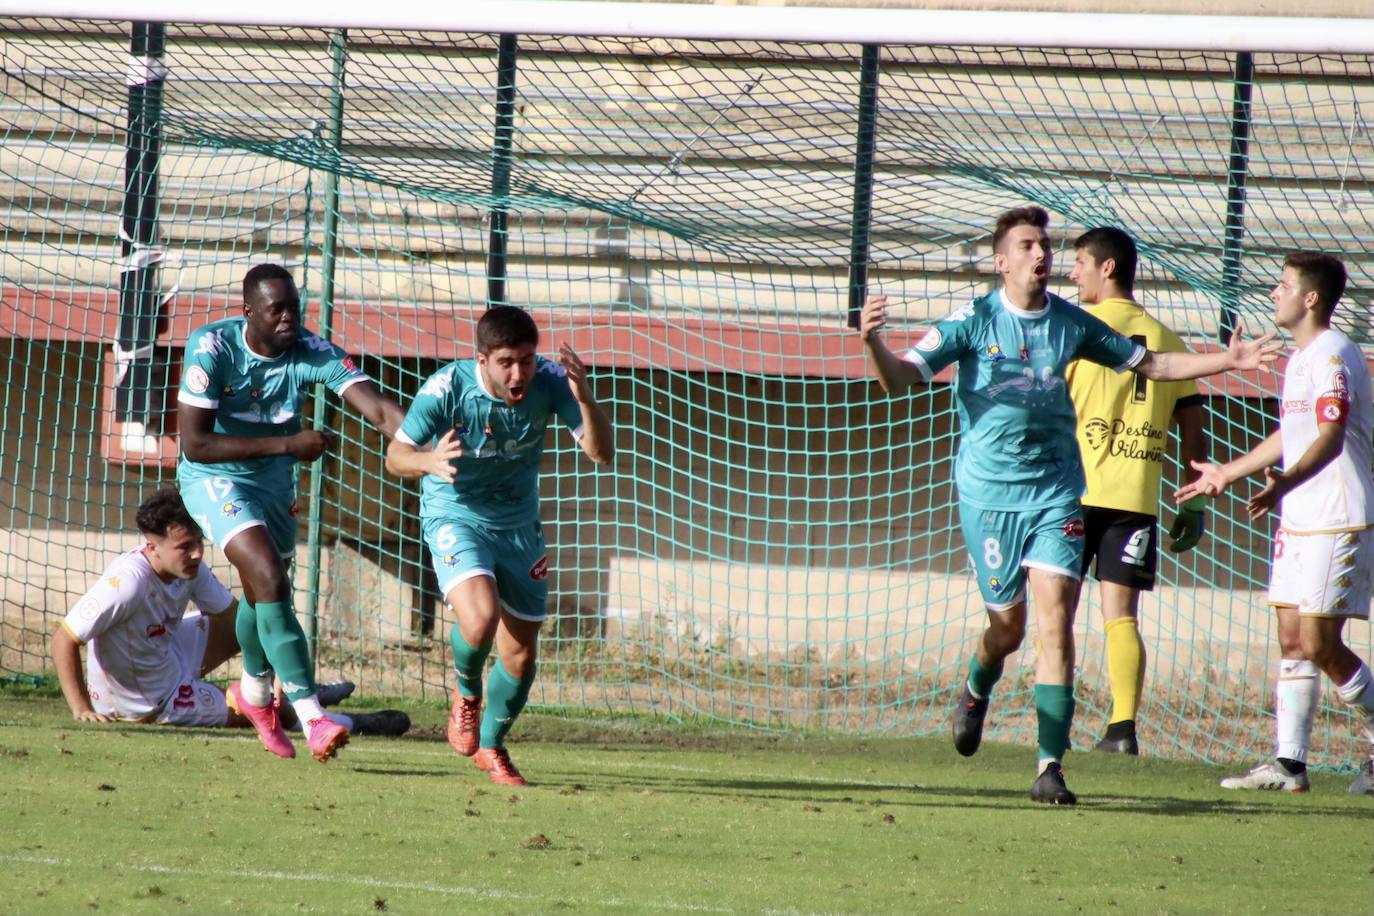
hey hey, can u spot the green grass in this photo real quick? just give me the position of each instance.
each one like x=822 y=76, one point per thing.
x=634 y=816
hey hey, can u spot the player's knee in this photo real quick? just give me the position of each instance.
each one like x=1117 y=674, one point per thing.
x=519 y=661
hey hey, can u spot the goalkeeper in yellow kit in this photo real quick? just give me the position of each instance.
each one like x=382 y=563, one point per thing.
x=1123 y=431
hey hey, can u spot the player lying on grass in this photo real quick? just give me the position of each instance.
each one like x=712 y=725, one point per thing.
x=1324 y=547
x=1018 y=471
x=475 y=433
x=146 y=657
x=239 y=413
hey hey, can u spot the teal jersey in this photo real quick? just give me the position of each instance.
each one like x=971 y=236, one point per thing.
x=256 y=396
x=497 y=485
x=1018 y=448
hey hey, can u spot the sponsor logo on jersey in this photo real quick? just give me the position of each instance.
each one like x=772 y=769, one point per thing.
x=438 y=384
x=1294 y=405
x=1096 y=431
x=209 y=344
x=1074 y=527
x=231 y=508
x=931 y=341
x=155 y=630
x=540 y=570
x=197 y=381
x=995 y=353
x=186 y=697
x=347 y=363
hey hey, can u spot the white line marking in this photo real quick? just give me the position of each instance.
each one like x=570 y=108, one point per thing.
x=422 y=886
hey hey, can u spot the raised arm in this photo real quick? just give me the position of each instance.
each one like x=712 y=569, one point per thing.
x=200 y=442
x=598 y=439
x=378 y=409
x=896 y=375
x=66 y=658
x=1239 y=355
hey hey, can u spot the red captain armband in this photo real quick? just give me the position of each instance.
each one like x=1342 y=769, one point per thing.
x=1332 y=408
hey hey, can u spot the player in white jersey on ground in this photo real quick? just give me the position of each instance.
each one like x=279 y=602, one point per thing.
x=146 y=656
x=1324 y=548
x=1018 y=471
x=475 y=433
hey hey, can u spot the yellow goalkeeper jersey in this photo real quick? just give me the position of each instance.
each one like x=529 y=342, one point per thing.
x=1123 y=418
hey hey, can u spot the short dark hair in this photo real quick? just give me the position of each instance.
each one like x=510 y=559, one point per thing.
x=1321 y=272
x=1106 y=242
x=261 y=273
x=163 y=510
x=505 y=326
x=1021 y=216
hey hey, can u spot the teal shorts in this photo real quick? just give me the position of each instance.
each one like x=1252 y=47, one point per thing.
x=1003 y=545
x=224 y=506
x=515 y=558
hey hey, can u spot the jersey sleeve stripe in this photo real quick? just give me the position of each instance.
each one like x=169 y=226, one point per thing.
x=911 y=356
x=351 y=382
x=195 y=401
x=1136 y=356
x=578 y=433
x=403 y=436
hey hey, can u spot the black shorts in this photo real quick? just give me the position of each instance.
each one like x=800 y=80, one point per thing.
x=1124 y=544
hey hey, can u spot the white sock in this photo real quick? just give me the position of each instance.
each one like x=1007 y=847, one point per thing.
x=1296 y=696
x=308 y=709
x=1043 y=763
x=1357 y=693
x=256 y=690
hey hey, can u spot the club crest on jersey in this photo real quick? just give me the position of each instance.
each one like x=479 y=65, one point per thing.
x=995 y=353
x=931 y=341
x=1074 y=527
x=540 y=570
x=197 y=380
x=995 y=582
x=231 y=508
x=1095 y=431
x=450 y=559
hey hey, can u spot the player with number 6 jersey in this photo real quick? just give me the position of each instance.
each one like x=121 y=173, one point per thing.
x=475 y=434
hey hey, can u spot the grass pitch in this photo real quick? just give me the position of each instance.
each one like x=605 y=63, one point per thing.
x=631 y=816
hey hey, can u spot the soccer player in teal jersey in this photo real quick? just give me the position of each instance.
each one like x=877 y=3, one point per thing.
x=475 y=433
x=1018 y=470
x=239 y=411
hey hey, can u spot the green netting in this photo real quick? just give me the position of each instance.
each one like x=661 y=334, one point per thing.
x=775 y=543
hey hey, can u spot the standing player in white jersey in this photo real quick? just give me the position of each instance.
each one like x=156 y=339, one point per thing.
x=481 y=423
x=1018 y=470
x=146 y=657
x=239 y=412
x=1324 y=548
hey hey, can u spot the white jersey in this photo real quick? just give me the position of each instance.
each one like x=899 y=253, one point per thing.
x=128 y=620
x=1328 y=382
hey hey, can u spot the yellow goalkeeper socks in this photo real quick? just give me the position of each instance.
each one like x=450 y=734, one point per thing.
x=1125 y=667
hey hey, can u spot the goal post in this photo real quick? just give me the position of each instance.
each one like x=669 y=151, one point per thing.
x=696 y=198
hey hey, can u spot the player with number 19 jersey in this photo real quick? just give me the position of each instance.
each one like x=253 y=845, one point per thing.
x=257 y=397
x=1019 y=448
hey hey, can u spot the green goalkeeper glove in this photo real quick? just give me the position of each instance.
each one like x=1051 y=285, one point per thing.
x=1189 y=525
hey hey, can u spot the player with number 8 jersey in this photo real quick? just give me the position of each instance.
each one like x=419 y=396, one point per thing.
x=475 y=434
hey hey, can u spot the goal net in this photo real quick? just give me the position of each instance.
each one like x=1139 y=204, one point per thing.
x=776 y=542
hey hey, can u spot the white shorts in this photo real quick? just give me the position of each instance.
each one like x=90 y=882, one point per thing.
x=195 y=703
x=1323 y=575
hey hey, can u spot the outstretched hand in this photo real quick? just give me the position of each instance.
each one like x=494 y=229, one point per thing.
x=1253 y=354
x=872 y=317
x=90 y=715
x=1267 y=500
x=439 y=460
x=1211 y=481
x=576 y=371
